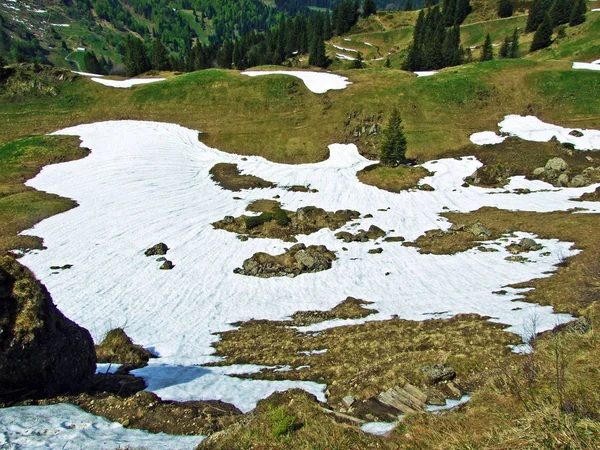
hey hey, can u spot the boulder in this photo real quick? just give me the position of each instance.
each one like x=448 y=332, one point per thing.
x=557 y=164
x=539 y=171
x=166 y=265
x=437 y=373
x=158 y=249
x=228 y=220
x=528 y=244
x=480 y=230
x=563 y=179
x=375 y=251
x=42 y=353
x=579 y=181
x=425 y=187
x=304 y=260
x=576 y=133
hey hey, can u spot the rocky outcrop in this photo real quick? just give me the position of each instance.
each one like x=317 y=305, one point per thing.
x=437 y=373
x=118 y=348
x=297 y=260
x=281 y=224
x=558 y=173
x=42 y=353
x=373 y=233
x=524 y=245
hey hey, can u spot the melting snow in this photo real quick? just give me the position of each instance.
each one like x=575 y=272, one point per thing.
x=65 y=426
x=347 y=58
x=126 y=83
x=425 y=73
x=317 y=82
x=87 y=74
x=530 y=128
x=149 y=182
x=344 y=48
x=595 y=65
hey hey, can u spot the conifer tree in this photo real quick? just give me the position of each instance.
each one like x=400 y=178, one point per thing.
x=159 y=55
x=136 y=58
x=514 y=45
x=578 y=13
x=537 y=13
x=487 y=52
x=369 y=8
x=561 y=12
x=392 y=146
x=505 y=48
x=317 y=55
x=463 y=9
x=505 y=8
x=388 y=64
x=92 y=64
x=409 y=5
x=358 y=63
x=543 y=36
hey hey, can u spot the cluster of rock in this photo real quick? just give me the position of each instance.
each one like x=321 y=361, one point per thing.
x=42 y=353
x=305 y=220
x=477 y=229
x=297 y=260
x=160 y=249
x=557 y=172
x=373 y=233
x=524 y=245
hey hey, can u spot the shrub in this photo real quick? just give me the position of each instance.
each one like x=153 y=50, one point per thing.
x=282 y=423
x=280 y=217
x=255 y=221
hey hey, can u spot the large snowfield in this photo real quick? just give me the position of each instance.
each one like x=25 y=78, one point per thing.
x=149 y=182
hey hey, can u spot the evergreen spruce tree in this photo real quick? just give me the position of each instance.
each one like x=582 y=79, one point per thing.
x=409 y=5
x=487 y=52
x=561 y=12
x=578 y=13
x=388 y=64
x=543 y=36
x=505 y=48
x=136 y=58
x=92 y=64
x=537 y=13
x=358 y=63
x=514 y=45
x=463 y=9
x=392 y=146
x=369 y=8
x=159 y=55
x=505 y=8
x=317 y=55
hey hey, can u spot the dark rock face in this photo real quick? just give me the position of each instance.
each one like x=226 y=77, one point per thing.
x=42 y=353
x=158 y=249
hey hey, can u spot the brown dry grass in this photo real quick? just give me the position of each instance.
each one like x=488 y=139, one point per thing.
x=393 y=179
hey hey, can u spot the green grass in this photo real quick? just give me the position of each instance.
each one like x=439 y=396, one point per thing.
x=22 y=207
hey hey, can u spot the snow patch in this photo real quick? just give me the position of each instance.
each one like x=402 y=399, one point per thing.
x=87 y=74
x=530 y=128
x=317 y=82
x=65 y=426
x=344 y=49
x=486 y=138
x=345 y=57
x=424 y=73
x=126 y=83
x=378 y=428
x=586 y=66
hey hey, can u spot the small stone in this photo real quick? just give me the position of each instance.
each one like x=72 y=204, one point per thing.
x=425 y=187
x=539 y=171
x=579 y=181
x=167 y=265
x=158 y=249
x=527 y=243
x=576 y=133
x=563 y=179
x=480 y=230
x=368 y=216
x=374 y=251
x=161 y=259
x=348 y=400
x=228 y=220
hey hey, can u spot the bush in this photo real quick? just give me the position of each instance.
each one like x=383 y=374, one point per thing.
x=255 y=221
x=280 y=217
x=282 y=423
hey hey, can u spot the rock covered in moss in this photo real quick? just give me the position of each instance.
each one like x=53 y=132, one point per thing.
x=118 y=348
x=158 y=249
x=42 y=353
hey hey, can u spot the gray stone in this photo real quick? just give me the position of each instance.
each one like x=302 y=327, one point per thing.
x=425 y=187
x=557 y=164
x=374 y=251
x=304 y=260
x=563 y=179
x=527 y=243
x=437 y=373
x=579 y=181
x=297 y=247
x=539 y=171
x=348 y=400
x=576 y=133
x=480 y=230
x=228 y=220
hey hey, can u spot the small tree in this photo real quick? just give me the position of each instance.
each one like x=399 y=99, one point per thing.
x=578 y=13
x=409 y=5
x=159 y=55
x=392 y=146
x=543 y=36
x=514 y=45
x=505 y=8
x=358 y=62
x=388 y=64
x=369 y=8
x=487 y=52
x=505 y=49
